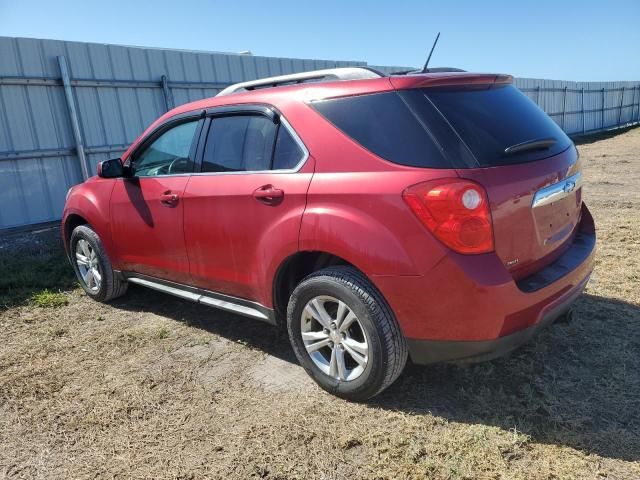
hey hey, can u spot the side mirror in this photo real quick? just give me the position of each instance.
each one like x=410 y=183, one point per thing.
x=111 y=168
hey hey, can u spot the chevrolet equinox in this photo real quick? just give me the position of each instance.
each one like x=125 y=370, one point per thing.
x=434 y=216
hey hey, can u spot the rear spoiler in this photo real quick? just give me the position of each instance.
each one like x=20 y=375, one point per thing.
x=446 y=79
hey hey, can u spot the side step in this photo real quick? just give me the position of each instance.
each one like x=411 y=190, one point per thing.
x=206 y=297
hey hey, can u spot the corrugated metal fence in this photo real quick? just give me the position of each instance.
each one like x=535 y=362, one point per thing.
x=98 y=98
x=585 y=107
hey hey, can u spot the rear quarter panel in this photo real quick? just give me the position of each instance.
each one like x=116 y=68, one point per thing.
x=355 y=208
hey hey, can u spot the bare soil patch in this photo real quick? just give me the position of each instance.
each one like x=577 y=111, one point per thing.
x=150 y=386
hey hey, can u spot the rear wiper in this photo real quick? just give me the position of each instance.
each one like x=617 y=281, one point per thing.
x=535 y=144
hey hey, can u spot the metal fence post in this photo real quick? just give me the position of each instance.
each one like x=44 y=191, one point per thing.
x=633 y=105
x=168 y=100
x=73 y=114
x=538 y=96
x=620 y=110
x=602 y=112
x=564 y=107
x=582 y=109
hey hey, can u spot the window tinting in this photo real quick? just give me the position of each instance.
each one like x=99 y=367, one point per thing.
x=287 y=153
x=168 y=154
x=490 y=119
x=384 y=124
x=239 y=143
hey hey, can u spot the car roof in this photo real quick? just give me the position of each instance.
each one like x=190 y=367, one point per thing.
x=331 y=88
x=338 y=87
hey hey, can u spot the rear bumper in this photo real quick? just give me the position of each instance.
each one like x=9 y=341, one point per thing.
x=469 y=307
x=424 y=352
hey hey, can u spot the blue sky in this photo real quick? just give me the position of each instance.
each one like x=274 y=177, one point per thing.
x=567 y=40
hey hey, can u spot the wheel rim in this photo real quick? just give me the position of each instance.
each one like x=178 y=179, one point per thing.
x=88 y=265
x=334 y=338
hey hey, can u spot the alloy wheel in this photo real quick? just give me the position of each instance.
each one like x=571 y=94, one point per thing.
x=334 y=338
x=88 y=265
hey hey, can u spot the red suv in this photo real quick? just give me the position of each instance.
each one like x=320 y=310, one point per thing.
x=437 y=216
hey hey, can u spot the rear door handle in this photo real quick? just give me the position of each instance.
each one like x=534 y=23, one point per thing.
x=268 y=195
x=169 y=199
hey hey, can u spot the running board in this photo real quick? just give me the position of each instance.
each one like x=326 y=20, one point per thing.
x=205 y=297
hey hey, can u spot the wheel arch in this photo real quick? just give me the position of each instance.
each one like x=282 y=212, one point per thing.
x=71 y=222
x=296 y=267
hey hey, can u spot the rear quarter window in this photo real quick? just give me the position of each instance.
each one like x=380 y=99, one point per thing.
x=384 y=124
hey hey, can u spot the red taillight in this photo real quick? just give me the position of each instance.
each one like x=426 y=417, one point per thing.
x=456 y=211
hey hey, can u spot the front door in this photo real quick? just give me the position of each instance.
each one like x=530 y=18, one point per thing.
x=245 y=207
x=147 y=208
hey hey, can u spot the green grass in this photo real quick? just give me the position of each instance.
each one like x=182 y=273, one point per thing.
x=48 y=299
x=34 y=277
x=163 y=333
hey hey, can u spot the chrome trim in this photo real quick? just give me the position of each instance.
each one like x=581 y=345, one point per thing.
x=232 y=307
x=166 y=289
x=557 y=191
x=205 y=297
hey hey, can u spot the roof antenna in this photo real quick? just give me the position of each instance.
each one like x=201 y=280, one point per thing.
x=426 y=64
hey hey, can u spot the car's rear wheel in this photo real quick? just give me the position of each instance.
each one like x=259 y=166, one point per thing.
x=344 y=333
x=93 y=267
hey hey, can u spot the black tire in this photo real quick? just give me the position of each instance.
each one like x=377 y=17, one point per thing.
x=112 y=285
x=388 y=349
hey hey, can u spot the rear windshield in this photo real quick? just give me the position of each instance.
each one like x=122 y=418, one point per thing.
x=461 y=127
x=492 y=119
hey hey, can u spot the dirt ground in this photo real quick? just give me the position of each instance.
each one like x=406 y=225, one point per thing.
x=154 y=387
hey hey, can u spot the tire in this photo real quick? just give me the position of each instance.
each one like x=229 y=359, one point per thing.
x=111 y=284
x=374 y=326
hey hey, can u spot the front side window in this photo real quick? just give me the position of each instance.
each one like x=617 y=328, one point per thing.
x=168 y=154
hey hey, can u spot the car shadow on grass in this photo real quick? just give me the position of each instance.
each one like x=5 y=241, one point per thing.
x=575 y=384
x=237 y=328
x=597 y=136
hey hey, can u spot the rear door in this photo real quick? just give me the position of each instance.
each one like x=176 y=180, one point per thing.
x=243 y=209
x=147 y=209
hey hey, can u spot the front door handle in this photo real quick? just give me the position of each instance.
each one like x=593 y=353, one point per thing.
x=268 y=195
x=169 y=199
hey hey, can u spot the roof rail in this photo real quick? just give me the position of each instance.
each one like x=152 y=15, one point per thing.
x=328 y=75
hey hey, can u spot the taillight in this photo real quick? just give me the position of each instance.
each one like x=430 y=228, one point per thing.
x=456 y=211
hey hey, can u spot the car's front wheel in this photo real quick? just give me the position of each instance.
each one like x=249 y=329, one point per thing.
x=344 y=334
x=93 y=267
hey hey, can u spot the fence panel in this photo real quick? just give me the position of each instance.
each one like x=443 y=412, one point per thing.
x=118 y=91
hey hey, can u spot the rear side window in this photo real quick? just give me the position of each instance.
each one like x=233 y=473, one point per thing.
x=384 y=124
x=239 y=143
x=489 y=119
x=249 y=143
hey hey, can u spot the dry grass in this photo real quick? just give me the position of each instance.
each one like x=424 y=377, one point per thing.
x=153 y=387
